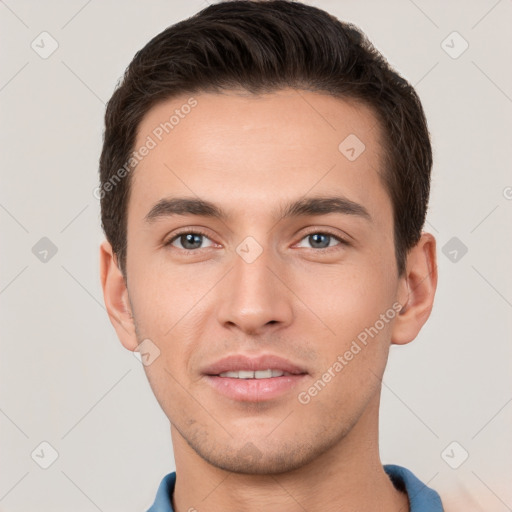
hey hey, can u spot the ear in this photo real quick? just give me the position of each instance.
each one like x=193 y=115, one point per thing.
x=416 y=290
x=115 y=294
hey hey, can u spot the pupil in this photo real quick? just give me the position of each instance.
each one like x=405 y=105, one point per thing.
x=317 y=239
x=191 y=239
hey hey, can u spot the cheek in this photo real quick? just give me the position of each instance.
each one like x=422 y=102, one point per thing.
x=168 y=299
x=173 y=310
x=345 y=299
x=350 y=375
x=354 y=308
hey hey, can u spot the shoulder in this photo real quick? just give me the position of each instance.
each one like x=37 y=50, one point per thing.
x=421 y=497
x=163 y=499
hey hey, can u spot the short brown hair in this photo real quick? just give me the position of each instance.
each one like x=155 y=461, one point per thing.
x=262 y=47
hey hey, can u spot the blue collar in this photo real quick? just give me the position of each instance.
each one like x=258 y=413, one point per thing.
x=421 y=497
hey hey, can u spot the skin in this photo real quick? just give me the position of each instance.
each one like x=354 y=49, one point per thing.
x=251 y=154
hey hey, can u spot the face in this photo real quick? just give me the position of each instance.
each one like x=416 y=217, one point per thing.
x=308 y=291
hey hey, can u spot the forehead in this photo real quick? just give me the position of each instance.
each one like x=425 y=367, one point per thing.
x=256 y=149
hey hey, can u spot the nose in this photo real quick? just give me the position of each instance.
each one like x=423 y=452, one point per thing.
x=255 y=297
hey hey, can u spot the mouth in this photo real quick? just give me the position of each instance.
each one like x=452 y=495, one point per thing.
x=258 y=374
x=253 y=379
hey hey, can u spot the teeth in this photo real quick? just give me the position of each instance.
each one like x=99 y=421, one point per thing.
x=263 y=374
x=259 y=374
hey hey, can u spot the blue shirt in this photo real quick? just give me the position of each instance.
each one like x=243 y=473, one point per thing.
x=421 y=497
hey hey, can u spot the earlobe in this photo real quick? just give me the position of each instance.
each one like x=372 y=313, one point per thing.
x=417 y=290
x=116 y=299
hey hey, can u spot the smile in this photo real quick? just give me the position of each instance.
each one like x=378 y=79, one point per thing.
x=259 y=374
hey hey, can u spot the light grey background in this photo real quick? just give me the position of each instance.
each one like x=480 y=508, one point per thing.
x=65 y=378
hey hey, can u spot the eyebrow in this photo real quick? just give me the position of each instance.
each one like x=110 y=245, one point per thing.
x=308 y=206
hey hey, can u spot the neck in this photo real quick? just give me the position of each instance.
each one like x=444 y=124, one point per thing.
x=348 y=476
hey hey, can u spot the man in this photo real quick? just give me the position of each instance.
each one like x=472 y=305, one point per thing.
x=264 y=183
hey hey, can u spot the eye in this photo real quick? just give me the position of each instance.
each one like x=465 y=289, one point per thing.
x=322 y=240
x=189 y=240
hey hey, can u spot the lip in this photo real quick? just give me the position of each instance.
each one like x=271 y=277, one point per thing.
x=237 y=362
x=253 y=390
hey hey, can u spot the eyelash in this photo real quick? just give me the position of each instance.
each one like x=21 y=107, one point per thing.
x=195 y=232
x=341 y=241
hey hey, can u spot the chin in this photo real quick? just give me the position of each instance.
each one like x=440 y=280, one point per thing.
x=267 y=460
